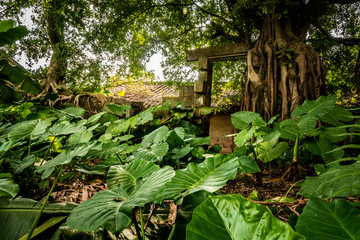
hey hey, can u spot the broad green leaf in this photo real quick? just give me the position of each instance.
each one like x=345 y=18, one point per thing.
x=323 y=147
x=234 y=217
x=118 y=127
x=20 y=164
x=316 y=108
x=22 y=130
x=155 y=137
x=8 y=188
x=107 y=150
x=66 y=157
x=114 y=207
x=335 y=134
x=76 y=112
x=200 y=141
x=128 y=175
x=10 y=34
x=176 y=137
x=336 y=115
x=268 y=151
x=242 y=120
x=181 y=152
x=80 y=137
x=248 y=165
x=154 y=154
x=18 y=76
x=329 y=220
x=45 y=226
x=339 y=181
x=6 y=25
x=95 y=118
x=4 y=147
x=144 y=117
x=307 y=123
x=118 y=109
x=210 y=175
x=185 y=212
x=65 y=128
x=17 y=215
x=244 y=136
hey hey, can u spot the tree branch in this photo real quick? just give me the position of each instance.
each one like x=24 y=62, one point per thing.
x=345 y=41
x=343 y=1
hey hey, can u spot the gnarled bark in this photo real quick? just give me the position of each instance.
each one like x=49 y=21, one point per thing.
x=282 y=70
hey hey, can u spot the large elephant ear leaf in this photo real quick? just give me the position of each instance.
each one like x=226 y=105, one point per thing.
x=114 y=207
x=234 y=217
x=339 y=181
x=210 y=175
x=329 y=220
x=316 y=108
x=242 y=120
x=127 y=175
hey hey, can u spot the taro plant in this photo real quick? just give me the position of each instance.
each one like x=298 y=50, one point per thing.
x=142 y=182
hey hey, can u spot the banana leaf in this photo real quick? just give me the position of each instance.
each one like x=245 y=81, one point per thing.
x=17 y=215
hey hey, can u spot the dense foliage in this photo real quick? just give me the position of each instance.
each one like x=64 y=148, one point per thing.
x=149 y=160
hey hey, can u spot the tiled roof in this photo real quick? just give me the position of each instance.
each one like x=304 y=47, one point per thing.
x=150 y=94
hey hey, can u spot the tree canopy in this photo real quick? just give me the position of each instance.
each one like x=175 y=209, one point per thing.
x=81 y=39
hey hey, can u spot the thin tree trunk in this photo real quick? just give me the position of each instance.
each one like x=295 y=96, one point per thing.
x=58 y=62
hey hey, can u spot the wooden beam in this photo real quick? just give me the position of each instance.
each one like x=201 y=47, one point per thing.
x=221 y=53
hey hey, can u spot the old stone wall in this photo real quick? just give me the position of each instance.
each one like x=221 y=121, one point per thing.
x=220 y=126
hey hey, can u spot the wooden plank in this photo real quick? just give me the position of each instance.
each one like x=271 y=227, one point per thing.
x=221 y=52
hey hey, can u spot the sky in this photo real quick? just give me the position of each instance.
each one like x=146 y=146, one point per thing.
x=153 y=64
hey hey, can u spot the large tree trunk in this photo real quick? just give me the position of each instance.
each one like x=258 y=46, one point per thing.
x=58 y=62
x=282 y=70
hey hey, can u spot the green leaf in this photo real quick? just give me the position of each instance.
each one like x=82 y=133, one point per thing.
x=185 y=212
x=176 y=137
x=307 y=123
x=248 y=165
x=18 y=76
x=114 y=207
x=329 y=220
x=10 y=34
x=336 y=115
x=234 y=217
x=76 y=112
x=8 y=187
x=210 y=175
x=95 y=118
x=339 y=181
x=65 y=157
x=267 y=152
x=181 y=152
x=6 y=25
x=144 y=117
x=242 y=120
x=107 y=150
x=316 y=108
x=323 y=147
x=22 y=130
x=20 y=164
x=65 y=128
x=128 y=175
x=244 y=136
x=17 y=215
x=80 y=137
x=118 y=109
x=155 y=137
